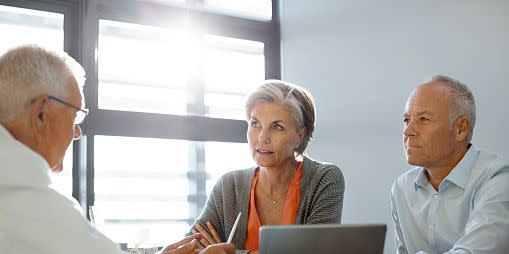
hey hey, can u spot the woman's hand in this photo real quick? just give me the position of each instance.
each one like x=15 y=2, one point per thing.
x=221 y=248
x=207 y=239
x=187 y=245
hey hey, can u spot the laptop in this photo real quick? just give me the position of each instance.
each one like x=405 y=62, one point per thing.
x=323 y=238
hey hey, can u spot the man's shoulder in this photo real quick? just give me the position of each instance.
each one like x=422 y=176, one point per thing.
x=26 y=201
x=409 y=176
x=23 y=167
x=407 y=179
x=25 y=207
x=28 y=212
x=487 y=166
x=490 y=162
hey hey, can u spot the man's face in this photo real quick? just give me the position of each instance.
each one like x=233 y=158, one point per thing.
x=59 y=128
x=428 y=134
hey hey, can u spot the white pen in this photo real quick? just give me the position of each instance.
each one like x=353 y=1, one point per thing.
x=230 y=237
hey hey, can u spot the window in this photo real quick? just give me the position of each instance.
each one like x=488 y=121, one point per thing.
x=138 y=184
x=254 y=9
x=261 y=9
x=26 y=26
x=226 y=85
x=62 y=181
x=154 y=77
x=167 y=66
x=166 y=83
x=222 y=157
x=172 y=71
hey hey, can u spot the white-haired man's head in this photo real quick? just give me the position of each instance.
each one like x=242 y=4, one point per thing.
x=41 y=99
x=28 y=71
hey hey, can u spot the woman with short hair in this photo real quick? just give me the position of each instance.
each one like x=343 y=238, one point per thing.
x=286 y=187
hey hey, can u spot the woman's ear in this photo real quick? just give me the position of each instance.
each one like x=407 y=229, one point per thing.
x=302 y=133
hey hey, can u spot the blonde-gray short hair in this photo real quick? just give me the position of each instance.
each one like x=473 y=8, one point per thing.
x=298 y=101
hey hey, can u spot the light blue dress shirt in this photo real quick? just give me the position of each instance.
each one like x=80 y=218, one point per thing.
x=468 y=214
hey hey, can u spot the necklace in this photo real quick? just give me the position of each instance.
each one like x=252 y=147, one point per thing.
x=278 y=196
x=275 y=199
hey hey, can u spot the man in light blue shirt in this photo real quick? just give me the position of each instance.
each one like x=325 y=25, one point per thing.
x=457 y=198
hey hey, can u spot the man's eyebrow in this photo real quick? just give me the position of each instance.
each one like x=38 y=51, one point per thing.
x=419 y=113
x=424 y=112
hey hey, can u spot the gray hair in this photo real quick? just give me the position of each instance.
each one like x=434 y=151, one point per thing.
x=28 y=71
x=463 y=101
x=297 y=99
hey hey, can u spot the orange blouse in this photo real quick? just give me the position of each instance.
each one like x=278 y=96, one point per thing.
x=290 y=209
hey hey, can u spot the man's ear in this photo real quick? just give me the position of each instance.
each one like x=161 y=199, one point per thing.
x=39 y=117
x=462 y=125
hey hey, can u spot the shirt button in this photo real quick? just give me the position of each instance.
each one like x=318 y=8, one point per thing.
x=430 y=227
x=435 y=196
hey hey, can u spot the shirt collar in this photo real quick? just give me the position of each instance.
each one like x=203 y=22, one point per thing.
x=459 y=174
x=24 y=167
x=421 y=180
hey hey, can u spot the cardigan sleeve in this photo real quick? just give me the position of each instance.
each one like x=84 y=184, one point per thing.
x=327 y=204
x=221 y=208
x=213 y=211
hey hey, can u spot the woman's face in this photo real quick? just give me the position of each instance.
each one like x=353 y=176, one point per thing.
x=272 y=134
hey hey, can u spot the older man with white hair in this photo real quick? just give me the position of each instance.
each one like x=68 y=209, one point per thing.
x=41 y=107
x=457 y=198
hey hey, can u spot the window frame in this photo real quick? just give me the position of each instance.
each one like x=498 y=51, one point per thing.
x=81 y=33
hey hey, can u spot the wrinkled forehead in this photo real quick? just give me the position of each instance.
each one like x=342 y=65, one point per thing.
x=271 y=111
x=429 y=95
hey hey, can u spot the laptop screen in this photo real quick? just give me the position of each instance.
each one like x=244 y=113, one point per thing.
x=323 y=238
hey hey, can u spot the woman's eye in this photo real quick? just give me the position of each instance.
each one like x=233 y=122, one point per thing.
x=278 y=127
x=255 y=124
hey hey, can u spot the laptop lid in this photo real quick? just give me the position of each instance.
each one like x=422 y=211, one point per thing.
x=323 y=238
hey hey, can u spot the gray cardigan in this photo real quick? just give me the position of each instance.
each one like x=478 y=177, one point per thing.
x=321 y=201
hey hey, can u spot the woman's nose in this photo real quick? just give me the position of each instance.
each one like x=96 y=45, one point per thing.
x=264 y=137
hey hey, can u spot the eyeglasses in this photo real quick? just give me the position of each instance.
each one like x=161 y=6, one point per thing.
x=81 y=113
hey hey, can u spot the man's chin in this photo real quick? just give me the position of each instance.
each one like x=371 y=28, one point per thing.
x=58 y=168
x=412 y=161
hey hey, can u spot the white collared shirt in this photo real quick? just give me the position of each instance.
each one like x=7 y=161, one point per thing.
x=35 y=218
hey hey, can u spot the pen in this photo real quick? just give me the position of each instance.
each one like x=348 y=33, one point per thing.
x=230 y=237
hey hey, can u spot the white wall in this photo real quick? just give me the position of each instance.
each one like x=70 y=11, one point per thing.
x=361 y=58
